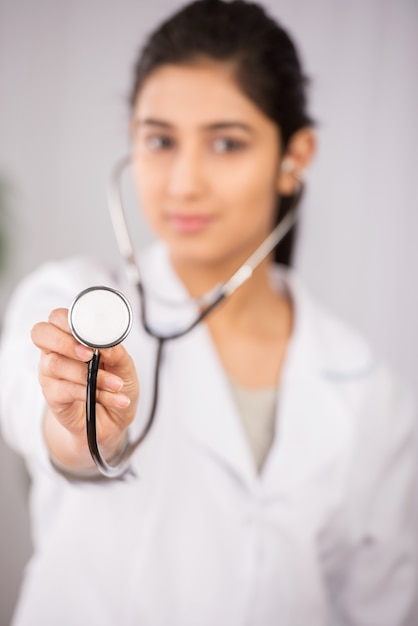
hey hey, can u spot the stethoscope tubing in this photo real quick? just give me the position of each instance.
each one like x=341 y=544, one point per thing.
x=121 y=466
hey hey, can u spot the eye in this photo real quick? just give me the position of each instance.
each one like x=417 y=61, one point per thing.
x=156 y=143
x=227 y=144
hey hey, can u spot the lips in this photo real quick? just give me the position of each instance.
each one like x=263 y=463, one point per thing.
x=194 y=223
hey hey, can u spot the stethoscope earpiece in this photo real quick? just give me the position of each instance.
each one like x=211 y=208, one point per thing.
x=100 y=317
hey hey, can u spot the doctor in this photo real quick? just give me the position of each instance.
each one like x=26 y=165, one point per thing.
x=277 y=483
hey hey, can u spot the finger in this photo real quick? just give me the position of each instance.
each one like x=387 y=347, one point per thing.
x=50 y=338
x=116 y=401
x=59 y=317
x=117 y=360
x=62 y=394
x=115 y=357
x=53 y=365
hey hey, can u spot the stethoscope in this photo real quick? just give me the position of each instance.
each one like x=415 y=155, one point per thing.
x=101 y=317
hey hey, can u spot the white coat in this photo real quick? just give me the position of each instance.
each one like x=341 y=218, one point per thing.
x=324 y=536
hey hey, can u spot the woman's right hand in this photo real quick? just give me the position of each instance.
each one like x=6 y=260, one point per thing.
x=63 y=375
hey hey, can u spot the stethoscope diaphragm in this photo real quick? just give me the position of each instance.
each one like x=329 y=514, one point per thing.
x=100 y=317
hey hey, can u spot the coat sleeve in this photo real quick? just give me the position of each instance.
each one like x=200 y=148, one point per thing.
x=379 y=583
x=21 y=401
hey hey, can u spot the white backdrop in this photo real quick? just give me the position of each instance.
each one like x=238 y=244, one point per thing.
x=65 y=68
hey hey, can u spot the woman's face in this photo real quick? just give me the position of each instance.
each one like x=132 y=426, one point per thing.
x=206 y=164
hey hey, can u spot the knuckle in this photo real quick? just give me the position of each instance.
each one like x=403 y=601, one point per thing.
x=61 y=392
x=55 y=316
x=56 y=389
x=49 y=390
x=50 y=364
x=61 y=344
x=36 y=332
x=111 y=356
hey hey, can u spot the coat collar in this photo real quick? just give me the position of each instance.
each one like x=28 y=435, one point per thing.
x=313 y=424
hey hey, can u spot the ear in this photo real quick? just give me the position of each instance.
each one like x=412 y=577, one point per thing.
x=299 y=153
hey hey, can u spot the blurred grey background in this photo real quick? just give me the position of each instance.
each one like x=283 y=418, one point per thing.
x=65 y=69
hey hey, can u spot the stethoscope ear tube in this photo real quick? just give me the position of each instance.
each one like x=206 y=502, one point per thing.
x=120 y=465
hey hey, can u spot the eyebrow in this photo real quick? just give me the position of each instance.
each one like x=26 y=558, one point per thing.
x=149 y=121
x=213 y=126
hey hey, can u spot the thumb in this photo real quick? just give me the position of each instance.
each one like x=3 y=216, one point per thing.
x=117 y=361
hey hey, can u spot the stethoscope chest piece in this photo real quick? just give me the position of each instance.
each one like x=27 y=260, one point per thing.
x=100 y=317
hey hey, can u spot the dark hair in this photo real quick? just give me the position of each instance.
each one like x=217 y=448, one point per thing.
x=263 y=58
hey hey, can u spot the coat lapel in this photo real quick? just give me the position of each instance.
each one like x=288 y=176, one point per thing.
x=201 y=398
x=208 y=410
x=313 y=424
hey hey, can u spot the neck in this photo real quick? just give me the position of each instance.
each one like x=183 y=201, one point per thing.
x=249 y=308
x=251 y=328
x=201 y=278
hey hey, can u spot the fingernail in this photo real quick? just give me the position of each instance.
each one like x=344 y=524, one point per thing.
x=122 y=400
x=113 y=383
x=84 y=353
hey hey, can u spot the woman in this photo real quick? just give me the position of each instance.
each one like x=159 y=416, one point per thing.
x=277 y=483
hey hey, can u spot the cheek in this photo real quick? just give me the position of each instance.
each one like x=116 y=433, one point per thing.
x=149 y=187
x=252 y=190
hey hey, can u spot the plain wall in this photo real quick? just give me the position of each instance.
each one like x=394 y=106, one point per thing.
x=65 y=68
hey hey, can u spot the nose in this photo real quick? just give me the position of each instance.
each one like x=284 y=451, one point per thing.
x=186 y=175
